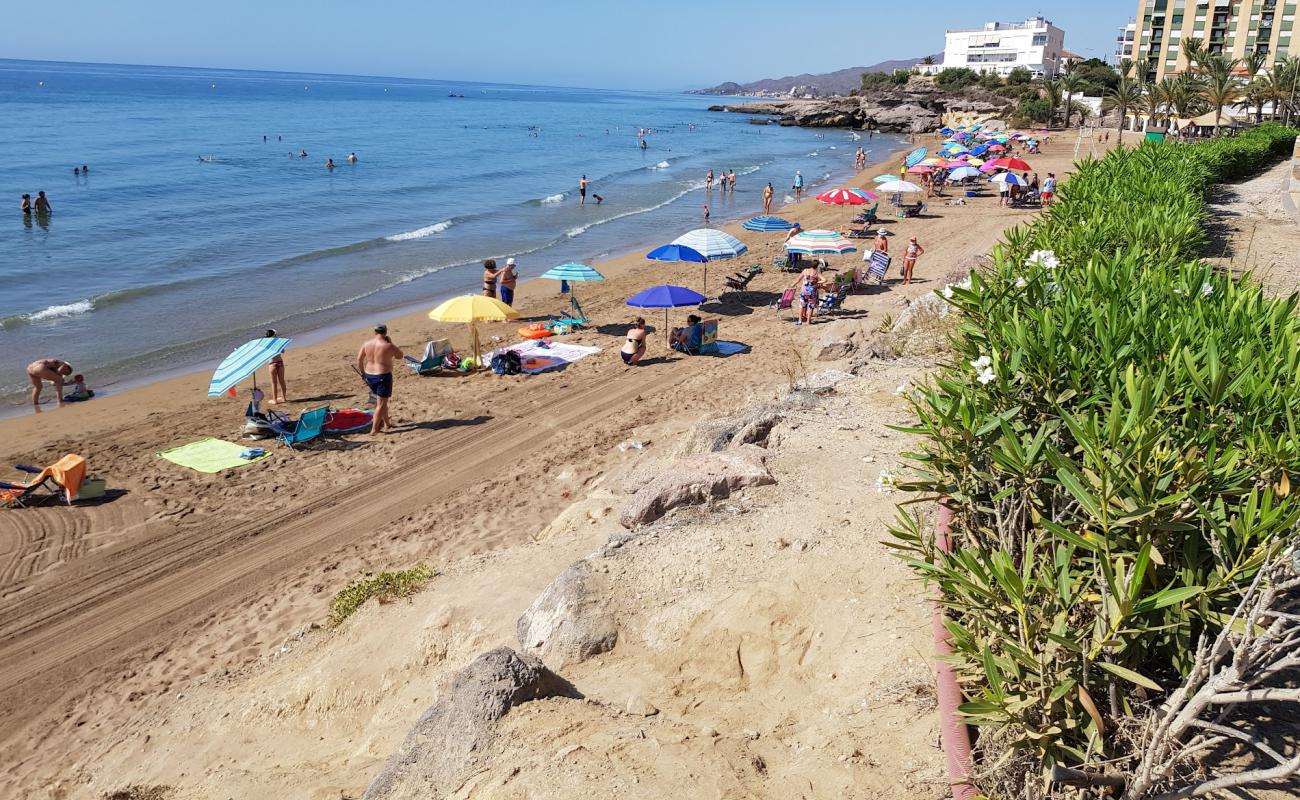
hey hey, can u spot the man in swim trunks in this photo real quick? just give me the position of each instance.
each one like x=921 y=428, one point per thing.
x=375 y=363
x=506 y=280
x=42 y=204
x=582 y=191
x=48 y=369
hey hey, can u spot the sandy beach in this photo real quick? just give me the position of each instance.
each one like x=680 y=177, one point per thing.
x=168 y=604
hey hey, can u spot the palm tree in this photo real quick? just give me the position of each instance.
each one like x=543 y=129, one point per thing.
x=1284 y=81
x=927 y=60
x=1220 y=86
x=1254 y=62
x=1126 y=67
x=1052 y=94
x=1182 y=96
x=1126 y=95
x=1254 y=95
x=1070 y=84
x=1153 y=103
x=1194 y=52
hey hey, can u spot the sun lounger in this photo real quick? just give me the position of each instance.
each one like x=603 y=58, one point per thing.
x=64 y=477
x=866 y=217
x=295 y=432
x=741 y=280
x=431 y=363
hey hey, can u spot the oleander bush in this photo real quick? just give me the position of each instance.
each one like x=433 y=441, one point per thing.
x=1116 y=434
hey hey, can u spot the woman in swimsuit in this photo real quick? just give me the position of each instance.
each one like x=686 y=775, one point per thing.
x=910 y=254
x=279 y=390
x=634 y=348
x=806 y=288
x=490 y=278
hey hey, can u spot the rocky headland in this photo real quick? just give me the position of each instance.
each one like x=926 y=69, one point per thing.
x=910 y=109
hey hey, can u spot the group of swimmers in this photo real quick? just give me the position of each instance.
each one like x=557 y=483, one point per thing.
x=726 y=180
x=41 y=205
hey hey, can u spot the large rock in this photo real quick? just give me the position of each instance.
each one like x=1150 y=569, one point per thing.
x=917 y=107
x=443 y=748
x=902 y=117
x=568 y=623
x=696 y=479
x=836 y=341
x=753 y=425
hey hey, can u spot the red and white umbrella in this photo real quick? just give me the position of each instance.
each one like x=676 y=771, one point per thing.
x=842 y=197
x=1010 y=163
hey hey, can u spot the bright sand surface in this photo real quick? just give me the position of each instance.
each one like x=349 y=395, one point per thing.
x=108 y=612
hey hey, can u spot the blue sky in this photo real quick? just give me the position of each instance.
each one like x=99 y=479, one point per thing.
x=659 y=44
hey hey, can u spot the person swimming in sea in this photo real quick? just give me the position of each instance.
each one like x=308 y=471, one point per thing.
x=352 y=158
x=27 y=205
x=302 y=154
x=329 y=163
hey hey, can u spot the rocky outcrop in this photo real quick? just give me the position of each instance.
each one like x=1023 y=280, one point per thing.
x=440 y=752
x=567 y=623
x=695 y=480
x=917 y=108
x=753 y=425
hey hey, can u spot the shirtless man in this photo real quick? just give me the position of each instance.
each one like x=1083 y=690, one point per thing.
x=375 y=363
x=48 y=369
x=582 y=190
x=42 y=204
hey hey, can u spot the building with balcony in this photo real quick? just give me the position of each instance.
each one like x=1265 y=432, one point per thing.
x=1235 y=28
x=999 y=47
x=1124 y=43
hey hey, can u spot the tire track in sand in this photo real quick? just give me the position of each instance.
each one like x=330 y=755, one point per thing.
x=143 y=594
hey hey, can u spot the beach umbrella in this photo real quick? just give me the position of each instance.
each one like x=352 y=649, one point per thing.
x=916 y=157
x=920 y=169
x=244 y=362
x=676 y=253
x=997 y=148
x=963 y=172
x=666 y=297
x=974 y=161
x=768 y=224
x=882 y=178
x=573 y=272
x=473 y=308
x=872 y=196
x=933 y=161
x=819 y=243
x=1010 y=163
x=841 y=197
x=899 y=187
x=1009 y=178
x=713 y=244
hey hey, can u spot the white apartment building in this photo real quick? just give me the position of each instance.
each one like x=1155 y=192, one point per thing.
x=1124 y=43
x=1035 y=44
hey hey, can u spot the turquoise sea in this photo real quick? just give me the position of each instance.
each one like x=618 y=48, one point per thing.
x=198 y=225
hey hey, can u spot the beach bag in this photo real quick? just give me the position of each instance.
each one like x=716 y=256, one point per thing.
x=451 y=361
x=498 y=364
x=511 y=364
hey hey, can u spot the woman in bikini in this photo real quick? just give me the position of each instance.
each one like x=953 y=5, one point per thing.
x=634 y=348
x=910 y=254
x=490 y=278
x=279 y=391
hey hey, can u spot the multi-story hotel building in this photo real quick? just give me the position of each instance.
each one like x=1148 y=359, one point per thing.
x=999 y=47
x=1124 y=43
x=1231 y=27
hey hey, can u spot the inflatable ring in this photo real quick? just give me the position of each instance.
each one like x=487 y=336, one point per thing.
x=537 y=330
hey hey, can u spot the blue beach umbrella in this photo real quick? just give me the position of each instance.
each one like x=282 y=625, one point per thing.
x=768 y=224
x=883 y=178
x=572 y=272
x=666 y=297
x=676 y=253
x=244 y=362
x=1007 y=178
x=916 y=157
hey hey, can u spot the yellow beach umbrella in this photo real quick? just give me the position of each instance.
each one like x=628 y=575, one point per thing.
x=473 y=308
x=975 y=162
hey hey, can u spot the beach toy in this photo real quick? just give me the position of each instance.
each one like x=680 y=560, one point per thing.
x=537 y=330
x=466 y=364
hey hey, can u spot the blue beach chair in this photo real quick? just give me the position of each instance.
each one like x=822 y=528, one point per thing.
x=304 y=429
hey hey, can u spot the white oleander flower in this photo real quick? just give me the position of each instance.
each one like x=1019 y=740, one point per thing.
x=987 y=376
x=886 y=482
x=947 y=292
x=981 y=363
x=1043 y=258
x=1021 y=283
x=902 y=388
x=1206 y=290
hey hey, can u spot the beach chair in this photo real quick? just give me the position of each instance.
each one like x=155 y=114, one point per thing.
x=295 y=432
x=783 y=263
x=431 y=363
x=62 y=477
x=914 y=211
x=741 y=280
x=867 y=217
x=786 y=300
x=879 y=265
x=708 y=340
x=576 y=318
x=832 y=301
x=859 y=233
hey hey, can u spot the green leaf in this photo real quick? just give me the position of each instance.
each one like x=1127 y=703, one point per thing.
x=1129 y=675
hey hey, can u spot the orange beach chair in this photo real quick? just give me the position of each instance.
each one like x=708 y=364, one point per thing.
x=62 y=477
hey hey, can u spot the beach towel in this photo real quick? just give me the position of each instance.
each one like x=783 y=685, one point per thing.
x=347 y=421
x=209 y=455
x=532 y=365
x=542 y=347
x=726 y=348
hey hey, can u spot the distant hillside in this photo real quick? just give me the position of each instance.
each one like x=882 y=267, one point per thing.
x=838 y=82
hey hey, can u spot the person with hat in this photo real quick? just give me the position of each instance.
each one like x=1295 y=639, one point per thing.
x=881 y=243
x=910 y=254
x=506 y=280
x=375 y=363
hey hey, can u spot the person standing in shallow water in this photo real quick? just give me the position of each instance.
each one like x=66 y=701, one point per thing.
x=42 y=204
x=582 y=190
x=767 y=197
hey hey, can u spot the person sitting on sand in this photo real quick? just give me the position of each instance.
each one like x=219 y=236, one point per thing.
x=687 y=339
x=48 y=369
x=79 y=390
x=279 y=391
x=634 y=348
x=375 y=363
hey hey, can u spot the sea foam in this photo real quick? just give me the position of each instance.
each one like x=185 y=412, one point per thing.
x=553 y=199
x=59 y=311
x=421 y=233
x=662 y=165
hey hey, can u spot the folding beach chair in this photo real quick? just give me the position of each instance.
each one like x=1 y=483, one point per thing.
x=740 y=281
x=577 y=317
x=295 y=432
x=434 y=352
x=62 y=477
x=786 y=301
x=879 y=265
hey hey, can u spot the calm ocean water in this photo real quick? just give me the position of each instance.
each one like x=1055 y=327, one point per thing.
x=191 y=234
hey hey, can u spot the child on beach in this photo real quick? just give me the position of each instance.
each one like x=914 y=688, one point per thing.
x=706 y=212
x=79 y=390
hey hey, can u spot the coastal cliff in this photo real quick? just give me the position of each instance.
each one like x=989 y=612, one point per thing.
x=906 y=110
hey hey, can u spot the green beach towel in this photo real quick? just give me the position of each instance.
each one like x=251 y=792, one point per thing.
x=209 y=455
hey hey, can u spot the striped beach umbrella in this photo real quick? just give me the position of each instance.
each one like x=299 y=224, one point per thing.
x=767 y=224
x=574 y=273
x=882 y=178
x=842 y=197
x=1009 y=178
x=244 y=362
x=819 y=243
x=872 y=196
x=916 y=157
x=712 y=243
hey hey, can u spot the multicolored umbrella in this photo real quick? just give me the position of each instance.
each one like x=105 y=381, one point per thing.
x=1009 y=178
x=818 y=243
x=768 y=224
x=842 y=197
x=244 y=362
x=872 y=196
